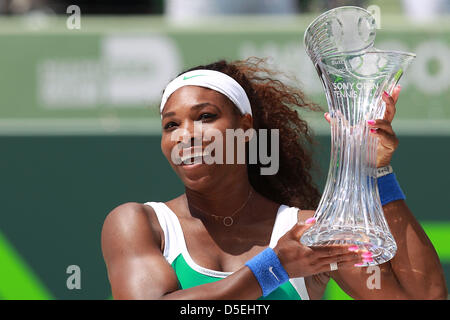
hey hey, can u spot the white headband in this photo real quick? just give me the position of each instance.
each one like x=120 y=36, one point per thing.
x=211 y=79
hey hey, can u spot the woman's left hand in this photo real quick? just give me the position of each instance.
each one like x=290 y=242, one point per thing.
x=382 y=128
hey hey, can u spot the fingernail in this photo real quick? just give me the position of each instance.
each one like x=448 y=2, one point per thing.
x=353 y=248
x=385 y=94
x=366 y=254
x=367 y=259
x=359 y=264
x=399 y=87
x=310 y=221
x=373 y=130
x=371 y=122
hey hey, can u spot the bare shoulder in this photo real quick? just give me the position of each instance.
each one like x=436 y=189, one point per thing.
x=126 y=217
x=131 y=246
x=126 y=211
x=129 y=225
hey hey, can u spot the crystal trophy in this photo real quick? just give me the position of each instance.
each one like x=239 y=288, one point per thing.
x=354 y=75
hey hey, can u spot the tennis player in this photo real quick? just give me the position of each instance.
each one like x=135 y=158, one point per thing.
x=234 y=233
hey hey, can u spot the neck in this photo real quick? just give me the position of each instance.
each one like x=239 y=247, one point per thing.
x=222 y=200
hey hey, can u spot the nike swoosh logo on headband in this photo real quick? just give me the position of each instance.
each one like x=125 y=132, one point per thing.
x=197 y=75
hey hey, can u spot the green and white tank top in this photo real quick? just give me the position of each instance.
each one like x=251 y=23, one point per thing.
x=191 y=274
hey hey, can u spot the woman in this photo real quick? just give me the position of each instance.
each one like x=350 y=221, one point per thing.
x=234 y=233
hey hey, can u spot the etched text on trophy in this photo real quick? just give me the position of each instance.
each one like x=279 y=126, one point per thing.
x=352 y=89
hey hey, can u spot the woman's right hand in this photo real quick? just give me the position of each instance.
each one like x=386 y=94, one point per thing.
x=301 y=261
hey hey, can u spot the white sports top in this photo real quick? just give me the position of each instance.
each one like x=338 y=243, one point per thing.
x=175 y=244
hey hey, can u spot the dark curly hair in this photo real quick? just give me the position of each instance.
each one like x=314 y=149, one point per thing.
x=274 y=106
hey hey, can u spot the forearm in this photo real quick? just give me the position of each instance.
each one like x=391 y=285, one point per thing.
x=241 y=285
x=416 y=265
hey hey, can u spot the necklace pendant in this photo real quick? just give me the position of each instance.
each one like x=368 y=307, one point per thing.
x=228 y=221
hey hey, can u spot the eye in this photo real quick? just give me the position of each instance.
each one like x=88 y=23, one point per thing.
x=207 y=116
x=170 y=125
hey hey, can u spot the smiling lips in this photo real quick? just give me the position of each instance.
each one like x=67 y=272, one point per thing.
x=190 y=157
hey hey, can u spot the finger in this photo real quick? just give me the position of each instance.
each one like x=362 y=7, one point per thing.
x=381 y=124
x=327 y=117
x=331 y=251
x=387 y=140
x=396 y=93
x=354 y=257
x=389 y=113
x=345 y=261
x=349 y=265
x=299 y=229
x=340 y=265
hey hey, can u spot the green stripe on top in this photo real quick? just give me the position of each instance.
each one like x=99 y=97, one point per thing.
x=188 y=278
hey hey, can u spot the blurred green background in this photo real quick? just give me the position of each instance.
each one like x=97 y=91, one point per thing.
x=80 y=131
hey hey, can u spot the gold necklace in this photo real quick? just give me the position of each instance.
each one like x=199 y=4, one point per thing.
x=227 y=220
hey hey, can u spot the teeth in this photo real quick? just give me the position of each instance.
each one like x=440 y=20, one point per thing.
x=192 y=156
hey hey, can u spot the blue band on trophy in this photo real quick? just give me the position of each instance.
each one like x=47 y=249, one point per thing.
x=268 y=271
x=389 y=189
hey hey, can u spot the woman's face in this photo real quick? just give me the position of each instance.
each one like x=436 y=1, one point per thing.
x=192 y=119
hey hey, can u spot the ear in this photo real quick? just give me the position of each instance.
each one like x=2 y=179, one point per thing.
x=246 y=123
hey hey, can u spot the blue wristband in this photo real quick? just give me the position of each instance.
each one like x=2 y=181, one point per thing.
x=389 y=189
x=268 y=271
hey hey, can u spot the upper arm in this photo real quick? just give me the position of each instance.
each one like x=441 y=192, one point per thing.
x=136 y=267
x=375 y=282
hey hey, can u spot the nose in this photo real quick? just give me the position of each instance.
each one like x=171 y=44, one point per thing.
x=191 y=134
